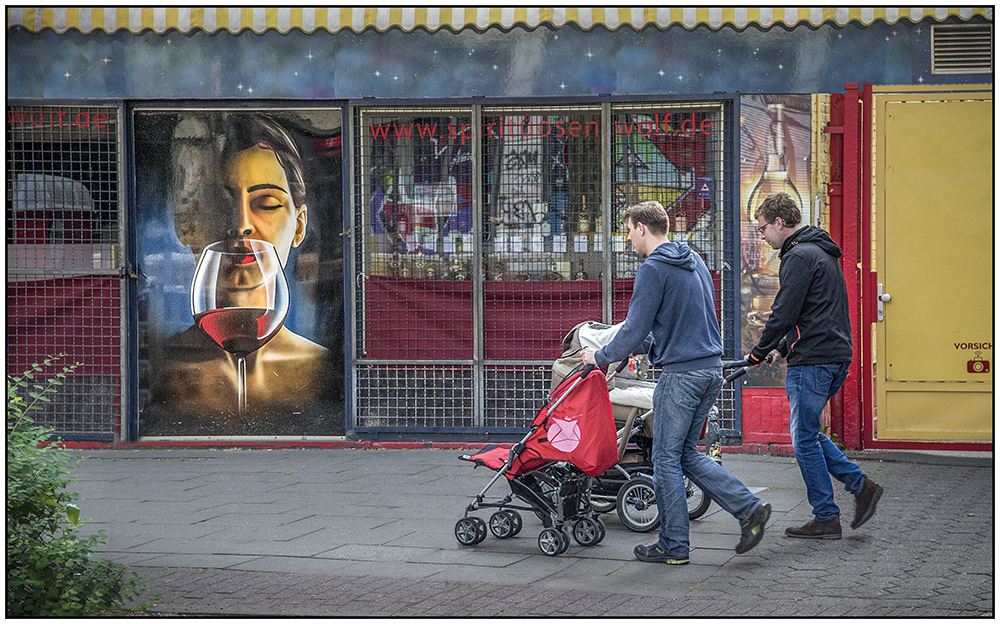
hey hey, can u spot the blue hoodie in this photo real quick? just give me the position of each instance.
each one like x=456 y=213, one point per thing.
x=672 y=300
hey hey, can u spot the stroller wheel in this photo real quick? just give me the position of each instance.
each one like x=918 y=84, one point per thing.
x=601 y=503
x=698 y=501
x=566 y=540
x=637 y=505
x=502 y=525
x=480 y=529
x=587 y=532
x=553 y=542
x=603 y=527
x=516 y=522
x=470 y=531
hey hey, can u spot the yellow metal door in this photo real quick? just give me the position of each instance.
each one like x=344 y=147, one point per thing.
x=933 y=202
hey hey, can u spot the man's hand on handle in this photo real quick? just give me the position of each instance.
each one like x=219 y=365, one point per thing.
x=588 y=355
x=770 y=359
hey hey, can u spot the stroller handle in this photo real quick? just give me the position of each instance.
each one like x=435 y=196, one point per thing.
x=621 y=366
x=736 y=374
x=742 y=368
x=742 y=363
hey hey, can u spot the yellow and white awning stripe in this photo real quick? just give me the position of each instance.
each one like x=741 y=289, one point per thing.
x=357 y=19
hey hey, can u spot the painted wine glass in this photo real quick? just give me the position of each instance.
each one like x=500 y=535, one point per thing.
x=239 y=299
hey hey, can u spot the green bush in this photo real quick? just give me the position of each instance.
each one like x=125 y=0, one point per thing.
x=50 y=569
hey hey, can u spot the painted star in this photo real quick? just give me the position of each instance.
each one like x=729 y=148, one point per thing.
x=310 y=56
x=589 y=54
x=249 y=89
x=562 y=86
x=240 y=86
x=67 y=75
x=377 y=73
x=105 y=60
x=661 y=72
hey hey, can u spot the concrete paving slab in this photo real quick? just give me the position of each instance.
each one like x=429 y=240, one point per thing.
x=200 y=560
x=391 y=514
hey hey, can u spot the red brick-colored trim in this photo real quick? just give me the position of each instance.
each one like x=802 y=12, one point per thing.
x=749 y=448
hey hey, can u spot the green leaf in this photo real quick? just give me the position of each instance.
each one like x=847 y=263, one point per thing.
x=74 y=513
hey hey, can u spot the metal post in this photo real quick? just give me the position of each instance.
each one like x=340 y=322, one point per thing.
x=478 y=368
x=607 y=195
x=851 y=236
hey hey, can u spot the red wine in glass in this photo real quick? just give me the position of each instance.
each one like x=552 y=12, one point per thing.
x=240 y=331
x=239 y=298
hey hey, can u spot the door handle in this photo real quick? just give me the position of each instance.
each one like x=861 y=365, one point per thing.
x=883 y=298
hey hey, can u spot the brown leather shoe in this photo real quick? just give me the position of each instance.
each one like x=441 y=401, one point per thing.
x=817 y=530
x=865 y=501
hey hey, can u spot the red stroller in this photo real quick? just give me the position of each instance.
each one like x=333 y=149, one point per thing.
x=550 y=471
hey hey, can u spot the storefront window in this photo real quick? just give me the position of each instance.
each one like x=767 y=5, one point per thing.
x=482 y=243
x=63 y=259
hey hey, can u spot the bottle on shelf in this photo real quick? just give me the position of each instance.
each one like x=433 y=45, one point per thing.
x=583 y=226
x=580 y=273
x=553 y=274
x=497 y=269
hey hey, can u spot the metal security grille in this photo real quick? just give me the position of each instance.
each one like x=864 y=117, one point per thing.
x=514 y=394
x=415 y=396
x=675 y=154
x=483 y=234
x=63 y=251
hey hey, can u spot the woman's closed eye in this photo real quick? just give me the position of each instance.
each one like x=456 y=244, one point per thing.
x=267 y=202
x=267 y=196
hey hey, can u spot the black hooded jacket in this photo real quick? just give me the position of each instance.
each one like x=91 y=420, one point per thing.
x=810 y=319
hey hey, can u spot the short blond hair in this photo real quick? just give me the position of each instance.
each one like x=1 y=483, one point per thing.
x=649 y=213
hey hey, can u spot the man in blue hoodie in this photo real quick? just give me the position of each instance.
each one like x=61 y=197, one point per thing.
x=810 y=325
x=673 y=302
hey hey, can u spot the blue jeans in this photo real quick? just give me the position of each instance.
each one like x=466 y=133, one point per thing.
x=681 y=402
x=808 y=389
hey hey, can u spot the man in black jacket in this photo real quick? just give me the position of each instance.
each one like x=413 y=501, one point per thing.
x=810 y=326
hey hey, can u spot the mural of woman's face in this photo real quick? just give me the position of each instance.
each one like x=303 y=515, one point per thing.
x=259 y=202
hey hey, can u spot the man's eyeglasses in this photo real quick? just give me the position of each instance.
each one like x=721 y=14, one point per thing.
x=761 y=228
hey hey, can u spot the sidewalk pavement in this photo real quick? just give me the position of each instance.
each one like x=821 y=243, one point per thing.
x=351 y=532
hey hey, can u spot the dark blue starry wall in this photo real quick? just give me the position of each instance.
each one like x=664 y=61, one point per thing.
x=493 y=63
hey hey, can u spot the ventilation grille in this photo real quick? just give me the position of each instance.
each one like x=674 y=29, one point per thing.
x=962 y=49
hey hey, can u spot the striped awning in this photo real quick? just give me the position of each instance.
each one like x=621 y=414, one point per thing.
x=357 y=19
